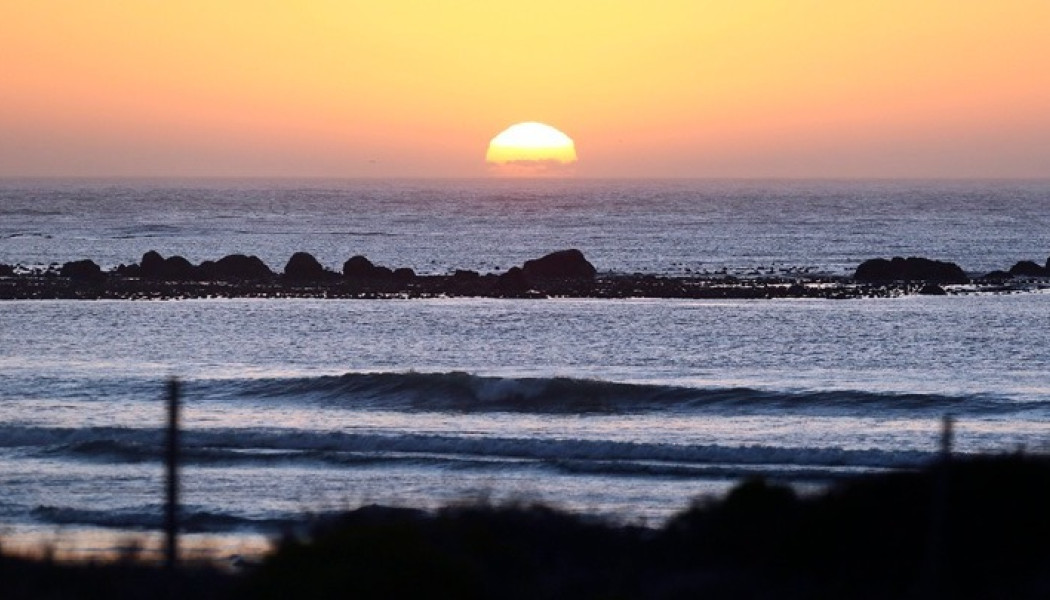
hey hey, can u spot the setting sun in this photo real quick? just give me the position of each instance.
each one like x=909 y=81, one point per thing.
x=531 y=148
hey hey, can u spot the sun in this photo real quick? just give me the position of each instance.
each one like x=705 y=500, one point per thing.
x=531 y=148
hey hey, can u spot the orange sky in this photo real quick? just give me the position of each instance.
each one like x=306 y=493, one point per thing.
x=797 y=88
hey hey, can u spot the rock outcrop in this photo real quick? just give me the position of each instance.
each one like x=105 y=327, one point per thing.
x=152 y=265
x=404 y=274
x=513 y=281
x=238 y=267
x=564 y=264
x=234 y=267
x=82 y=270
x=359 y=267
x=932 y=289
x=909 y=269
x=1027 y=268
x=302 y=266
x=175 y=268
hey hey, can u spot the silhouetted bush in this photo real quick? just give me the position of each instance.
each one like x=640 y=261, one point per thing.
x=977 y=528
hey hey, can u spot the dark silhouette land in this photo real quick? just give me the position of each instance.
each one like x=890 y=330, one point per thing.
x=972 y=528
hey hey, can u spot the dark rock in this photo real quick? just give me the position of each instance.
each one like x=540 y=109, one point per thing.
x=932 y=289
x=206 y=270
x=238 y=267
x=404 y=274
x=1027 y=268
x=909 y=269
x=465 y=276
x=564 y=264
x=82 y=270
x=151 y=265
x=176 y=268
x=304 y=267
x=6 y=270
x=128 y=270
x=513 y=280
x=936 y=271
x=359 y=267
x=875 y=269
x=997 y=276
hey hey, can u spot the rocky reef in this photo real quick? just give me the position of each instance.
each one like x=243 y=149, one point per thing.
x=564 y=273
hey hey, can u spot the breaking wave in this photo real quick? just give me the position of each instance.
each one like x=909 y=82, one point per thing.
x=465 y=392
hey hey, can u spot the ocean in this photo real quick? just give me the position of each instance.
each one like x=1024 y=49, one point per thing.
x=628 y=409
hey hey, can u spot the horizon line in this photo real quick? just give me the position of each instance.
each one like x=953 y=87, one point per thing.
x=875 y=178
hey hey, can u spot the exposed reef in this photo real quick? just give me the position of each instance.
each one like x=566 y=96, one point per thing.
x=565 y=273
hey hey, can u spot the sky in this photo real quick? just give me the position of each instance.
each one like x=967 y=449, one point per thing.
x=416 y=88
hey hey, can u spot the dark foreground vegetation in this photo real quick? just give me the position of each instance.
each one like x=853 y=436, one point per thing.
x=978 y=528
x=565 y=273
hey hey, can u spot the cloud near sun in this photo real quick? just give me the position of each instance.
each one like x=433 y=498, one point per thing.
x=531 y=148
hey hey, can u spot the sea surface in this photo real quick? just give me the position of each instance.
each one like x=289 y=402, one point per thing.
x=631 y=409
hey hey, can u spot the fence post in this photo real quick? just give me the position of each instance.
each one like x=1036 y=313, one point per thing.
x=947 y=433
x=171 y=487
x=937 y=572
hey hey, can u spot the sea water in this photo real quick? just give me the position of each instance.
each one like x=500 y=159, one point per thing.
x=490 y=225
x=625 y=408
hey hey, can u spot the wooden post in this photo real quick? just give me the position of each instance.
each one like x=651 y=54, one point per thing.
x=171 y=462
x=947 y=424
x=937 y=572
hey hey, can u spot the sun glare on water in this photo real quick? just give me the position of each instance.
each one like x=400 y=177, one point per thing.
x=531 y=149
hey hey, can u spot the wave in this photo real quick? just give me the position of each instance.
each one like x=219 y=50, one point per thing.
x=146 y=231
x=134 y=451
x=465 y=392
x=28 y=234
x=569 y=455
x=314 y=233
x=30 y=212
